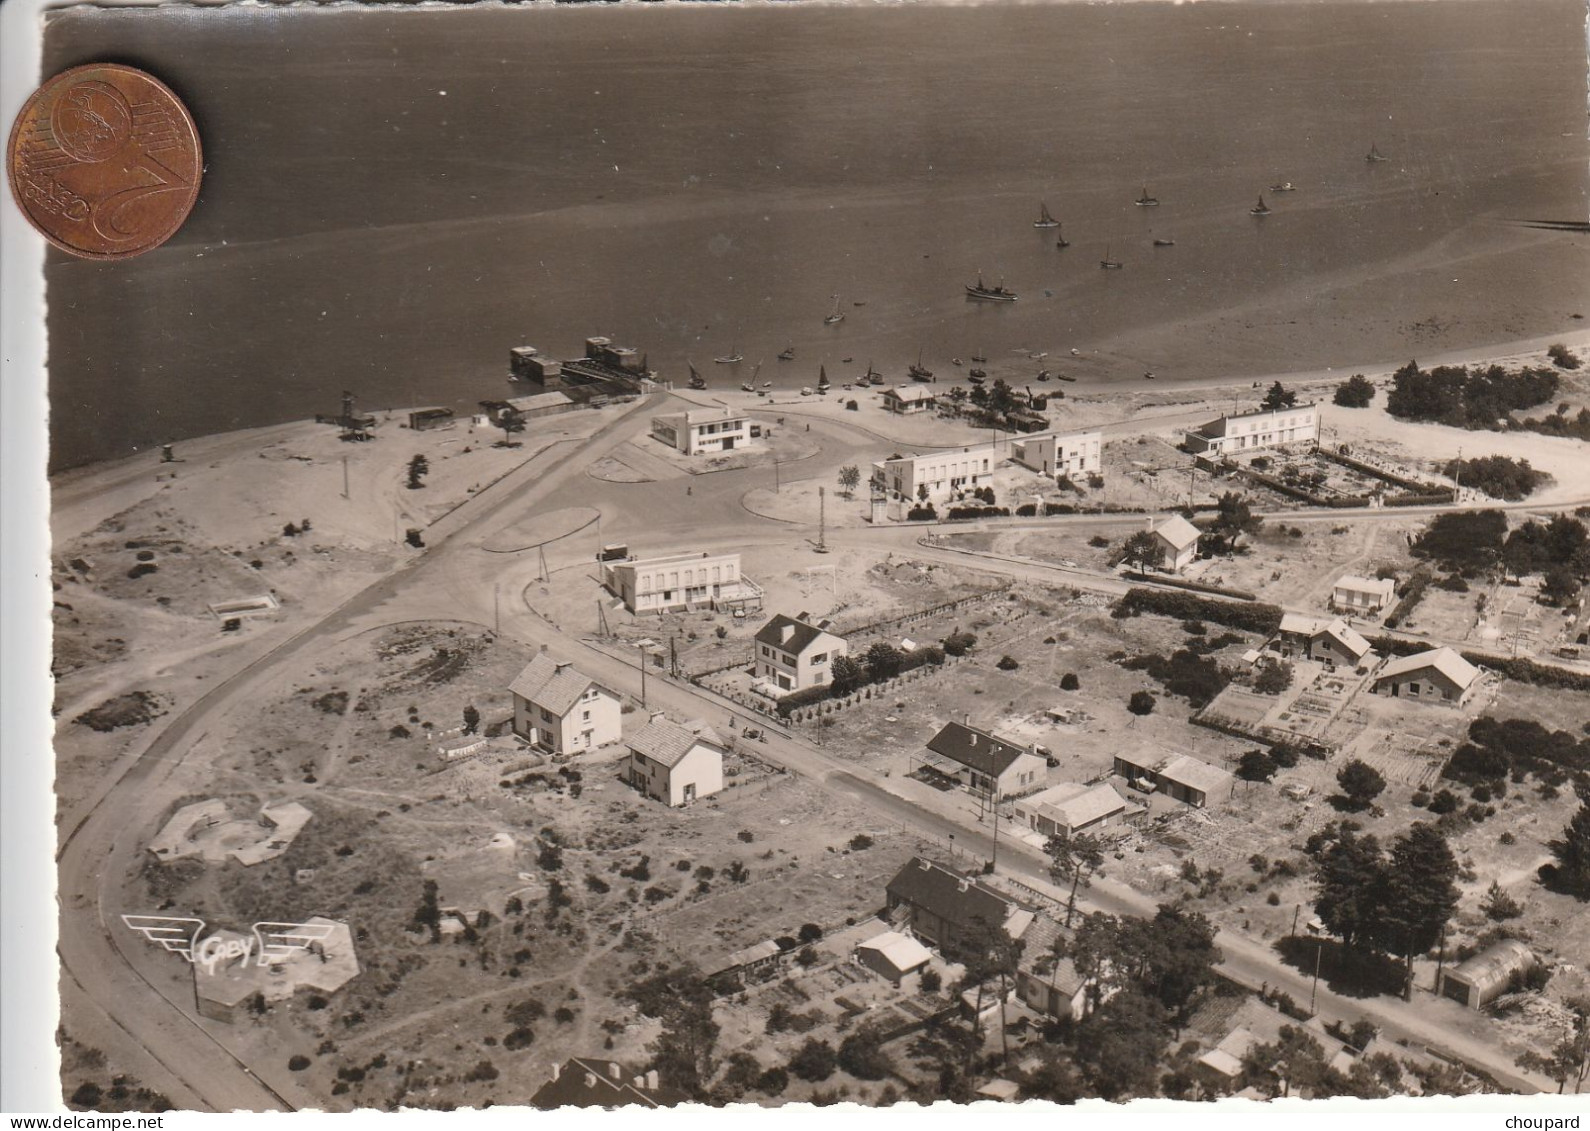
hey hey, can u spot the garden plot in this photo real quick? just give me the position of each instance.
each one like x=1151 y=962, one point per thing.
x=1415 y=760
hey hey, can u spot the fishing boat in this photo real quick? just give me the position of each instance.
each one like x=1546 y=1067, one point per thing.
x=846 y=360
x=979 y=358
x=1060 y=239
x=977 y=375
x=1107 y=263
x=1164 y=243
x=1283 y=186
x=1260 y=209
x=1146 y=201
x=747 y=387
x=956 y=361
x=788 y=354
x=1149 y=376
x=1039 y=356
x=871 y=375
x=697 y=381
x=836 y=316
x=1045 y=220
x=1065 y=377
x=1374 y=154
x=733 y=357
x=980 y=290
x=806 y=390
x=917 y=372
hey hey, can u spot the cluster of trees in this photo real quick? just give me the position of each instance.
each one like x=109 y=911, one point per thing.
x=682 y=1053
x=1360 y=783
x=1560 y=423
x=1355 y=392
x=1394 y=901
x=1249 y=616
x=1559 y=550
x=1467 y=398
x=1279 y=396
x=883 y=661
x=1196 y=678
x=1501 y=477
x=1571 y=872
x=1499 y=749
x=1468 y=541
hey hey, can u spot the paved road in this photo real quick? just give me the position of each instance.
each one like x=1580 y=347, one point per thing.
x=457 y=579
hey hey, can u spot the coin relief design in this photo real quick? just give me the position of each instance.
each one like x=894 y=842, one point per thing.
x=105 y=161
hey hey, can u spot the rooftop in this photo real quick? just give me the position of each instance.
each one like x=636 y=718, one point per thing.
x=956 y=898
x=902 y=951
x=667 y=742
x=1382 y=585
x=1184 y=769
x=1495 y=965
x=1443 y=659
x=671 y=559
x=1178 y=532
x=585 y=1081
x=975 y=749
x=797 y=640
x=548 y=683
x=1076 y=805
x=910 y=393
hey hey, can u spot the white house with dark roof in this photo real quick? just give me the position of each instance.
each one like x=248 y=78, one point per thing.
x=1050 y=984
x=793 y=654
x=1439 y=674
x=1180 y=540
x=562 y=710
x=673 y=764
x=985 y=764
x=936 y=902
x=1352 y=594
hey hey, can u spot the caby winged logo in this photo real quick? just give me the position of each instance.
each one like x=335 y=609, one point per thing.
x=268 y=942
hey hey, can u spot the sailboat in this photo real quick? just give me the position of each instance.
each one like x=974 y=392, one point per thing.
x=788 y=353
x=733 y=357
x=1260 y=209
x=1060 y=239
x=1146 y=201
x=917 y=372
x=871 y=376
x=836 y=316
x=750 y=386
x=697 y=381
x=1045 y=220
x=822 y=379
x=1107 y=263
x=1374 y=154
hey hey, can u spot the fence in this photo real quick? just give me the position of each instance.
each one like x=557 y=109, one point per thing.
x=878 y=628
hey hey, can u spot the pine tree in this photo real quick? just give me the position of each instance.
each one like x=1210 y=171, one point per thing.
x=1421 y=895
x=1572 y=851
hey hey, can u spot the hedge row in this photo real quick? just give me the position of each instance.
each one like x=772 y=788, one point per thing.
x=1427 y=499
x=978 y=512
x=1193 y=586
x=1250 y=617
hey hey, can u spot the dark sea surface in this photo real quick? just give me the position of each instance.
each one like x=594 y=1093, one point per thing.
x=395 y=198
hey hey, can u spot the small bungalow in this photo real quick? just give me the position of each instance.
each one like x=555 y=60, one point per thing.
x=747 y=965
x=1180 y=539
x=986 y=765
x=1439 y=674
x=1485 y=977
x=893 y=955
x=670 y=763
x=1072 y=807
x=908 y=399
x=562 y=710
x=1181 y=776
x=1352 y=594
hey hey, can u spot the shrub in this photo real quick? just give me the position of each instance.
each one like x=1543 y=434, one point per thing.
x=1562 y=357
x=958 y=643
x=1069 y=682
x=1355 y=392
x=814 y=1061
x=773 y=1081
x=297 y=1063
x=930 y=981
x=1141 y=703
x=1007 y=664
x=1099 y=542
x=1256 y=765
x=860 y=842
x=1445 y=801
x=1249 y=616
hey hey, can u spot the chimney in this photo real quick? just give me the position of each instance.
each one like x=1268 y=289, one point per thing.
x=543 y=649
x=561 y=665
x=655 y=715
x=590 y=1079
x=557 y=1070
x=927 y=865
x=614 y=1070
x=651 y=1080
x=639 y=1082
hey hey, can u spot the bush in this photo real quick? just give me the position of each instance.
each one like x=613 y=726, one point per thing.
x=1099 y=542
x=1007 y=664
x=772 y=1082
x=930 y=981
x=1500 y=477
x=1562 y=357
x=1256 y=765
x=1445 y=801
x=860 y=842
x=297 y=1063
x=816 y=1060
x=1069 y=682
x=1141 y=703
x=958 y=643
x=1355 y=392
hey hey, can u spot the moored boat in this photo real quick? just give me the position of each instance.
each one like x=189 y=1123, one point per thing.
x=1260 y=209
x=1374 y=153
x=836 y=316
x=1283 y=186
x=697 y=381
x=1107 y=263
x=788 y=354
x=917 y=372
x=981 y=290
x=1146 y=201
x=1045 y=220
x=1164 y=243
x=733 y=357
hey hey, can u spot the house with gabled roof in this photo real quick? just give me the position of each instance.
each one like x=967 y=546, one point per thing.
x=1187 y=779
x=674 y=764
x=1326 y=641
x=1439 y=674
x=1180 y=540
x=1047 y=980
x=893 y=955
x=908 y=399
x=936 y=902
x=984 y=763
x=1072 y=807
x=562 y=710
x=793 y=654
x=587 y=1081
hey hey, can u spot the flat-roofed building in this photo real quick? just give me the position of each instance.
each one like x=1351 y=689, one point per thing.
x=679 y=581
x=1250 y=431
x=1181 y=776
x=704 y=430
x=1059 y=454
x=941 y=473
x=1351 y=594
x=527 y=364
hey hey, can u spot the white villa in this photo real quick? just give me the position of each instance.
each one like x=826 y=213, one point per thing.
x=1060 y=453
x=562 y=710
x=704 y=430
x=1262 y=428
x=940 y=472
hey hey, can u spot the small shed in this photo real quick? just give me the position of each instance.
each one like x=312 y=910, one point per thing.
x=893 y=955
x=1485 y=977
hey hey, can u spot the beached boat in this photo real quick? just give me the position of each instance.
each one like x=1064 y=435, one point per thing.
x=1065 y=377
x=1164 y=243
x=1146 y=201
x=977 y=375
x=733 y=357
x=1149 y=376
x=1374 y=154
x=747 y=387
x=1107 y=263
x=917 y=372
x=1060 y=239
x=1045 y=220
x=787 y=354
x=697 y=381
x=980 y=290
x=1260 y=209
x=822 y=379
x=836 y=316
x=1283 y=186
x=806 y=391
x=1044 y=375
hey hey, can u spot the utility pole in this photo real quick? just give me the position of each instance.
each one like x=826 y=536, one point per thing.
x=822 y=520
x=345 y=477
x=496 y=608
x=641 y=648
x=1319 y=950
x=775 y=475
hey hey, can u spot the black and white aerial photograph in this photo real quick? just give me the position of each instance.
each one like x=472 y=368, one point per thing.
x=814 y=553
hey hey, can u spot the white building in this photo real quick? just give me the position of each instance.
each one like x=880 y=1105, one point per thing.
x=562 y=710
x=1072 y=807
x=941 y=473
x=679 y=581
x=1362 y=594
x=909 y=399
x=1180 y=540
x=704 y=430
x=1249 y=431
x=793 y=655
x=1060 y=453
x=672 y=764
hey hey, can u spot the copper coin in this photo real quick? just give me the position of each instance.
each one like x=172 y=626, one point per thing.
x=105 y=161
